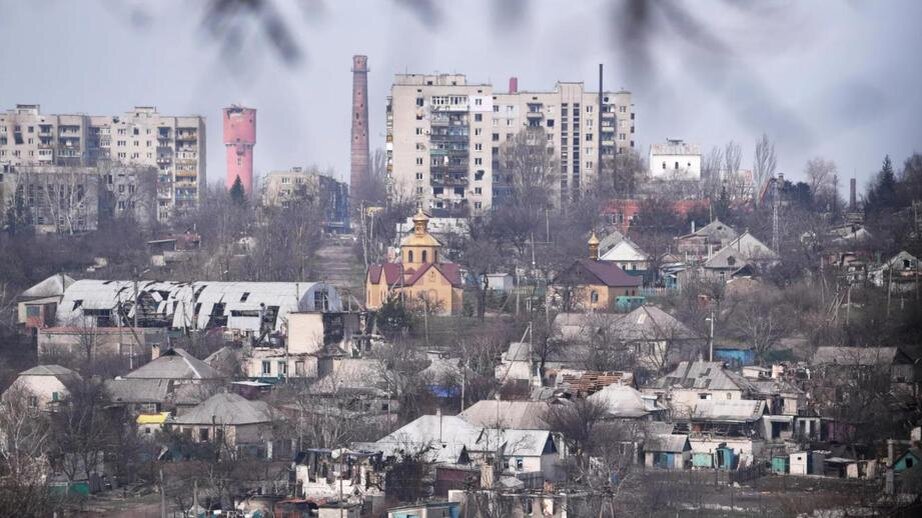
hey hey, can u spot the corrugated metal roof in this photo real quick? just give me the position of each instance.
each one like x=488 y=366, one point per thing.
x=671 y=443
x=729 y=410
x=51 y=287
x=855 y=355
x=702 y=375
x=621 y=401
x=191 y=304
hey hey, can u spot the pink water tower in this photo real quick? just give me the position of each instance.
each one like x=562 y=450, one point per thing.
x=239 y=139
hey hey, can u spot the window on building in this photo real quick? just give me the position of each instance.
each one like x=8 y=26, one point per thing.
x=478 y=161
x=550 y=123
x=478 y=147
x=664 y=166
x=283 y=368
x=705 y=395
x=676 y=165
x=478 y=117
x=459 y=191
x=410 y=256
x=478 y=205
x=267 y=367
x=478 y=131
x=588 y=137
x=478 y=175
x=495 y=108
x=420 y=101
x=594 y=297
x=245 y=296
x=478 y=190
x=425 y=256
x=419 y=131
x=419 y=176
x=203 y=434
x=729 y=395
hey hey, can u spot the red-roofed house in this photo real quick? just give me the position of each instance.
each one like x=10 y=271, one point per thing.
x=420 y=277
x=591 y=284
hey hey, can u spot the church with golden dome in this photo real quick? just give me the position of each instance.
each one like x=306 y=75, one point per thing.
x=420 y=277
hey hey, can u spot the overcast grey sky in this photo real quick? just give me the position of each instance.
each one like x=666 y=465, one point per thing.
x=838 y=79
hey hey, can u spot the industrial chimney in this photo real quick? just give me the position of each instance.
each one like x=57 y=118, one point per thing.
x=358 y=177
x=852 y=196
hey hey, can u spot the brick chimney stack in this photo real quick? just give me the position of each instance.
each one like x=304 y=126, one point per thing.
x=513 y=85
x=359 y=173
x=852 y=196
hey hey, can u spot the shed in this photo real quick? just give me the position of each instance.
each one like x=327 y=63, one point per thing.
x=667 y=451
x=781 y=464
x=909 y=459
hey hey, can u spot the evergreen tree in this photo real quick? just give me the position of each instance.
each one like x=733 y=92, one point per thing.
x=237 y=193
x=882 y=192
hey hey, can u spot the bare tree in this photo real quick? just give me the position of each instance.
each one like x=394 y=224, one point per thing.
x=821 y=177
x=24 y=467
x=620 y=175
x=530 y=169
x=81 y=432
x=761 y=322
x=711 y=165
x=764 y=162
x=731 y=169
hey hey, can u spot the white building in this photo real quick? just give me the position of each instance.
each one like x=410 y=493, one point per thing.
x=44 y=385
x=675 y=160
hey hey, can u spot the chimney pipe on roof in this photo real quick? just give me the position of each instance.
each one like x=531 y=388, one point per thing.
x=513 y=85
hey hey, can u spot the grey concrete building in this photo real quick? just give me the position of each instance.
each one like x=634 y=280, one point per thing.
x=175 y=146
x=444 y=136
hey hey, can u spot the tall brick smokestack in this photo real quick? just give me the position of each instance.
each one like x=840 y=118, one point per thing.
x=358 y=178
x=852 y=196
x=239 y=139
x=513 y=85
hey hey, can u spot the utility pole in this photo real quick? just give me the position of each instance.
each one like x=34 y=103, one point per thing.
x=162 y=496
x=598 y=166
x=776 y=207
x=711 y=338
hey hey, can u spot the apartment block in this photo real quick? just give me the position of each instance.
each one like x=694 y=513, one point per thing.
x=438 y=143
x=140 y=137
x=285 y=188
x=444 y=137
x=73 y=199
x=575 y=125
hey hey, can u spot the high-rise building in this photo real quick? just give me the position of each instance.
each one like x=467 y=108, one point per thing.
x=141 y=137
x=359 y=173
x=286 y=188
x=444 y=137
x=239 y=139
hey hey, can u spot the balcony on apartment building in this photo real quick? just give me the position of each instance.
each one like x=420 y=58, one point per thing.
x=449 y=180
x=186 y=134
